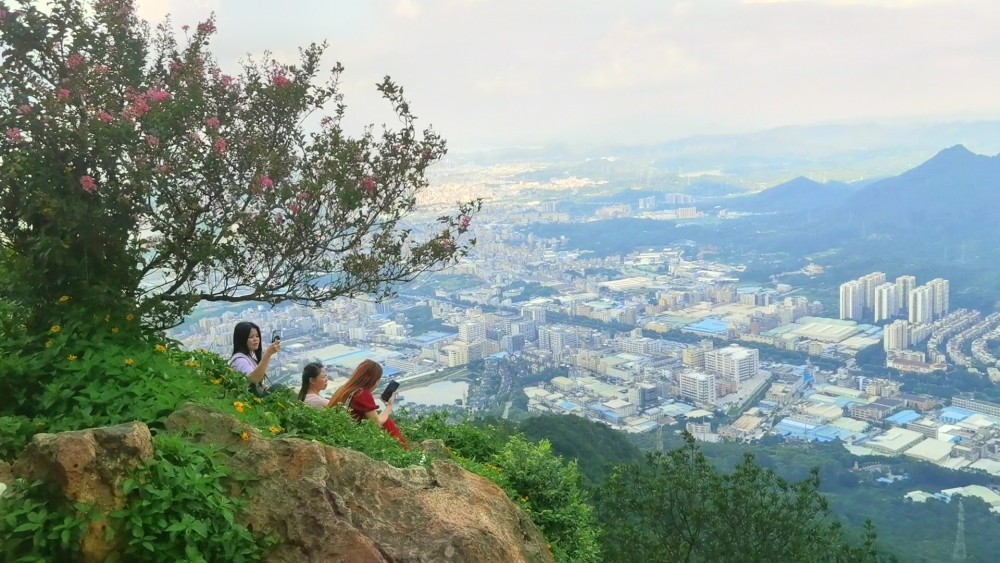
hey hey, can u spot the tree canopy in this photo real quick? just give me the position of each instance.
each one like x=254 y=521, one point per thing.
x=137 y=172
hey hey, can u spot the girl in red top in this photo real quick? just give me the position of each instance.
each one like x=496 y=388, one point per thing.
x=357 y=395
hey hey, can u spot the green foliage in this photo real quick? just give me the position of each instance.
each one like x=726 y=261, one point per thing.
x=549 y=490
x=39 y=525
x=178 y=509
x=678 y=507
x=136 y=169
x=99 y=371
x=595 y=447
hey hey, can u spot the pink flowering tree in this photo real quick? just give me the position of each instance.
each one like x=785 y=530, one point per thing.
x=133 y=170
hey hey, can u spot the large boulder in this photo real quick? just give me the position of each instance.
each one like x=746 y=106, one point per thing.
x=333 y=504
x=89 y=466
x=322 y=503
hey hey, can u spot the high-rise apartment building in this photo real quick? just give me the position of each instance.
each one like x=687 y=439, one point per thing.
x=921 y=308
x=869 y=283
x=472 y=331
x=698 y=387
x=939 y=289
x=852 y=300
x=896 y=336
x=733 y=363
x=904 y=285
x=885 y=302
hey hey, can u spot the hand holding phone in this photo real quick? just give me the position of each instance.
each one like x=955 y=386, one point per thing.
x=275 y=336
x=390 y=390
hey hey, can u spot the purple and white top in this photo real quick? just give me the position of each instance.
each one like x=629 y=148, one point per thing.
x=243 y=363
x=315 y=401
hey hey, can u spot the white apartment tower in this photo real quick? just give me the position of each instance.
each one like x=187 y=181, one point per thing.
x=885 y=302
x=897 y=336
x=921 y=308
x=904 y=285
x=869 y=283
x=697 y=387
x=734 y=363
x=852 y=300
x=939 y=289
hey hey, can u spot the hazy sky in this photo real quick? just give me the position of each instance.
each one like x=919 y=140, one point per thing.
x=524 y=72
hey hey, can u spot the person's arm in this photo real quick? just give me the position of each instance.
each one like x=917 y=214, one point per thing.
x=379 y=418
x=258 y=373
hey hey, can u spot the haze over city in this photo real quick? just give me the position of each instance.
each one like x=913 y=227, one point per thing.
x=488 y=73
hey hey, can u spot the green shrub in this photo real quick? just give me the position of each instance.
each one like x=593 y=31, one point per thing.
x=39 y=524
x=179 y=510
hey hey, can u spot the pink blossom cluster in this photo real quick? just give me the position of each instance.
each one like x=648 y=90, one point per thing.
x=162 y=169
x=63 y=94
x=14 y=134
x=105 y=116
x=463 y=222
x=368 y=185
x=3 y=14
x=207 y=28
x=139 y=103
x=294 y=208
x=152 y=141
x=220 y=146
x=212 y=123
x=74 y=61
x=280 y=80
x=88 y=184
x=265 y=181
x=25 y=109
x=100 y=69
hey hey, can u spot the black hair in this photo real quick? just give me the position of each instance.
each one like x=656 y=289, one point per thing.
x=310 y=372
x=241 y=334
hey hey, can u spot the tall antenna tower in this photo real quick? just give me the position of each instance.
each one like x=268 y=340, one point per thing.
x=959 y=553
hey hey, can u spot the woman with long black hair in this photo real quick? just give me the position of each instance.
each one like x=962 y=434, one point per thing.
x=250 y=357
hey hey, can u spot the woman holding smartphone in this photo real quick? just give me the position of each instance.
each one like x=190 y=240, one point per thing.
x=250 y=357
x=356 y=395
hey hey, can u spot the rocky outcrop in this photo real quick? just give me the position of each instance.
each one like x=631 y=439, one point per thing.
x=89 y=466
x=323 y=503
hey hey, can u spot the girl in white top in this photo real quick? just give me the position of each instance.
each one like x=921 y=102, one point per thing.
x=313 y=381
x=249 y=356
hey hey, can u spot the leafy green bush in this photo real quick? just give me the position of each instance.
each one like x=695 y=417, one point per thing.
x=39 y=524
x=179 y=510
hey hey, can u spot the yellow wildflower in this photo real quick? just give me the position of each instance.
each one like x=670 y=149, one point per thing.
x=129 y=362
x=107 y=318
x=239 y=406
x=48 y=343
x=71 y=357
x=114 y=330
x=216 y=381
x=191 y=364
x=274 y=430
x=245 y=436
x=130 y=317
x=161 y=348
x=55 y=329
x=64 y=298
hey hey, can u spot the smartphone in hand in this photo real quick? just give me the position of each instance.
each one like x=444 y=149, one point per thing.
x=276 y=336
x=390 y=389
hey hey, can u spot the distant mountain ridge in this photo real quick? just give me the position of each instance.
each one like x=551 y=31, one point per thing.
x=956 y=193
x=797 y=195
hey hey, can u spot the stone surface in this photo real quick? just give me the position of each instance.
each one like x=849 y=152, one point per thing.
x=89 y=466
x=332 y=504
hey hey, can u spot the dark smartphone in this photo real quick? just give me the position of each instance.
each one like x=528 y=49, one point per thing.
x=275 y=335
x=389 y=390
